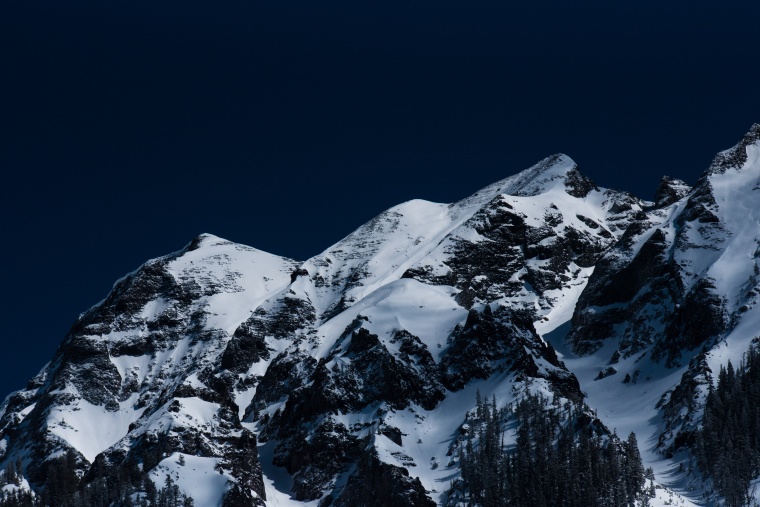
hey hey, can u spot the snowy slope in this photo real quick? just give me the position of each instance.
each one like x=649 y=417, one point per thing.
x=127 y=370
x=400 y=278
x=673 y=302
x=251 y=379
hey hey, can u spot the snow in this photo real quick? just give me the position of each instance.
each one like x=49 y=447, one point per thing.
x=736 y=343
x=13 y=488
x=381 y=250
x=243 y=399
x=426 y=311
x=246 y=276
x=137 y=366
x=563 y=304
x=25 y=412
x=197 y=478
x=155 y=308
x=90 y=428
x=364 y=271
x=545 y=176
x=666 y=497
x=430 y=433
x=736 y=194
x=185 y=412
x=627 y=408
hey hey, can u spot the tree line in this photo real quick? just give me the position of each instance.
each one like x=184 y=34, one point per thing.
x=562 y=458
x=125 y=486
x=727 y=447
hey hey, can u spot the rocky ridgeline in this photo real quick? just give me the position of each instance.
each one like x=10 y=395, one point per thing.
x=246 y=367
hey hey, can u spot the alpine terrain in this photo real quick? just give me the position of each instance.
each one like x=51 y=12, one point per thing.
x=542 y=342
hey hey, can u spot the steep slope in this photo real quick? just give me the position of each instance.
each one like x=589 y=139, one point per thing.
x=133 y=382
x=669 y=305
x=424 y=301
x=687 y=269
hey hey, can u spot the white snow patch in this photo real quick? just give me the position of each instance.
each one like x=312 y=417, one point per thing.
x=89 y=428
x=197 y=478
x=626 y=408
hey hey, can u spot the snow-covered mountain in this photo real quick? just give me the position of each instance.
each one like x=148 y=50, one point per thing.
x=250 y=379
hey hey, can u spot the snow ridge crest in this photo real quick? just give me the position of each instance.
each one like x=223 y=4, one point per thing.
x=558 y=170
x=258 y=380
x=734 y=158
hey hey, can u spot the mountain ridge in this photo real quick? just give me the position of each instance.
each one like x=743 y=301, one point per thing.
x=286 y=381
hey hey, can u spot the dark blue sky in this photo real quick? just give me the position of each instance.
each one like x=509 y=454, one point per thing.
x=130 y=126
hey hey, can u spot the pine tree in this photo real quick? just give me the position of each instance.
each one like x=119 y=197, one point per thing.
x=727 y=448
x=551 y=464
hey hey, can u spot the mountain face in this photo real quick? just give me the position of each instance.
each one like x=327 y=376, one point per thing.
x=241 y=378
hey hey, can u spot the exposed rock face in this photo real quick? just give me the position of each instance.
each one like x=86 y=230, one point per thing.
x=670 y=190
x=737 y=156
x=377 y=484
x=347 y=379
x=529 y=254
x=658 y=284
x=137 y=378
x=679 y=289
x=680 y=407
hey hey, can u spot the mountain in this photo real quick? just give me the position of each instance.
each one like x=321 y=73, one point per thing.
x=358 y=377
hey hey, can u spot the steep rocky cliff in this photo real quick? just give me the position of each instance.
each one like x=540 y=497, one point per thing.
x=250 y=379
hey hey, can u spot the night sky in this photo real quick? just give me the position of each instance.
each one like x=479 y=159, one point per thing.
x=131 y=126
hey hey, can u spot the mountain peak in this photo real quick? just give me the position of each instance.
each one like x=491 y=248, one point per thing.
x=204 y=239
x=735 y=157
x=557 y=172
x=363 y=358
x=546 y=175
x=669 y=191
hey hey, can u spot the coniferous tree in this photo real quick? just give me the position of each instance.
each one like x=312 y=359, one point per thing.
x=557 y=460
x=727 y=447
x=110 y=487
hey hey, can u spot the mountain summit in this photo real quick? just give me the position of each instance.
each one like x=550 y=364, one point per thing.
x=542 y=309
x=557 y=170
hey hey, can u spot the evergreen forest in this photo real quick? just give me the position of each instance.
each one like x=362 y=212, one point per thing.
x=562 y=458
x=727 y=448
x=116 y=486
